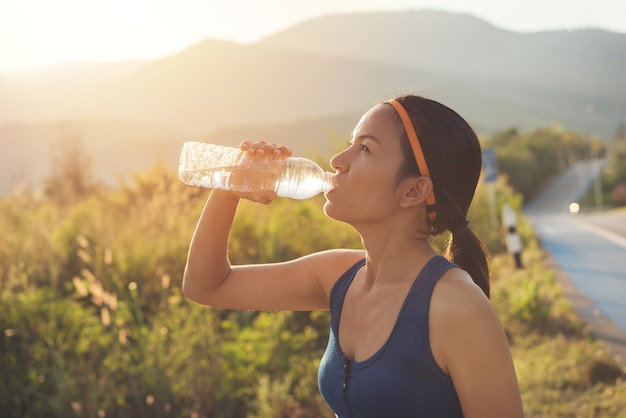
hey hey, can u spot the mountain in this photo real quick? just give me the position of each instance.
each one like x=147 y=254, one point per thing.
x=558 y=74
x=44 y=94
x=217 y=83
x=117 y=148
x=308 y=85
x=459 y=44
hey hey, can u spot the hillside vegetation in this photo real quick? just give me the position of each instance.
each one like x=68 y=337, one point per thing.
x=93 y=322
x=337 y=64
x=324 y=72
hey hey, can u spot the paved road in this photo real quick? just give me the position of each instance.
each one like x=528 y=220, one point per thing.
x=565 y=189
x=589 y=250
x=614 y=222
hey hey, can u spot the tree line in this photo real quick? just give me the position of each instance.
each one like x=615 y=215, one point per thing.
x=93 y=322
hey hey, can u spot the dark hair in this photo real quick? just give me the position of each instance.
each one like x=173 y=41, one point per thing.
x=452 y=152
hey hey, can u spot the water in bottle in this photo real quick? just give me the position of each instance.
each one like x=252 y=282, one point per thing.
x=228 y=168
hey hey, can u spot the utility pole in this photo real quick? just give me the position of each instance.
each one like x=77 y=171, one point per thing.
x=624 y=133
x=597 y=186
x=512 y=238
x=490 y=170
x=597 y=181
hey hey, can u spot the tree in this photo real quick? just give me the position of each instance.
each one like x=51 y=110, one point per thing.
x=71 y=168
x=530 y=159
x=620 y=135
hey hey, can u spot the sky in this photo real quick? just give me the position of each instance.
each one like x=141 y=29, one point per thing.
x=35 y=33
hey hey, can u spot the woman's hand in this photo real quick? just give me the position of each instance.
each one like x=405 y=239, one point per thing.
x=260 y=151
x=263 y=149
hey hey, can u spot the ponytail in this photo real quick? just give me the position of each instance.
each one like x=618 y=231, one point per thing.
x=467 y=251
x=451 y=149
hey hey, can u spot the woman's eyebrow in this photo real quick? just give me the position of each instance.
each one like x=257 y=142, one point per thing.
x=368 y=136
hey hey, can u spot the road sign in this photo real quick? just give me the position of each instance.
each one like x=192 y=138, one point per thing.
x=490 y=166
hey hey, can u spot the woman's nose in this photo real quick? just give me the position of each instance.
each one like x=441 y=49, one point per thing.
x=338 y=162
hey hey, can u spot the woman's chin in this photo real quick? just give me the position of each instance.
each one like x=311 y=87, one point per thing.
x=328 y=210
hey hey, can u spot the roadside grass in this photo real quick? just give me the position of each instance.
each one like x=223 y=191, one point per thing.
x=93 y=322
x=562 y=370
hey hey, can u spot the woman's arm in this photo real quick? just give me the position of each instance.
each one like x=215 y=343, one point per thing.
x=469 y=344
x=209 y=278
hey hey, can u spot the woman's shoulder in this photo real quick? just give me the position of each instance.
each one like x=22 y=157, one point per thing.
x=457 y=289
x=330 y=265
x=336 y=261
x=470 y=345
x=338 y=255
x=461 y=310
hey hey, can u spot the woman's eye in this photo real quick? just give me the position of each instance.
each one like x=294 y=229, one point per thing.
x=361 y=147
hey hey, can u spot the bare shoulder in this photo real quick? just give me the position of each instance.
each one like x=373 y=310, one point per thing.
x=456 y=294
x=304 y=283
x=327 y=267
x=469 y=344
x=460 y=307
x=331 y=264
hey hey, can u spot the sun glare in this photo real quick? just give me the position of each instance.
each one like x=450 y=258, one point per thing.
x=38 y=32
x=42 y=33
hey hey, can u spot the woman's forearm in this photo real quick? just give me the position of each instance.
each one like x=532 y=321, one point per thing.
x=207 y=260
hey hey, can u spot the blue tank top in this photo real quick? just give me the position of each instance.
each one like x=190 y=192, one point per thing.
x=402 y=378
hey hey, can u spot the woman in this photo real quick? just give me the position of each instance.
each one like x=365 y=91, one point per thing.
x=413 y=335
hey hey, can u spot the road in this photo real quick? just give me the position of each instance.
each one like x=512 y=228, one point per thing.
x=589 y=250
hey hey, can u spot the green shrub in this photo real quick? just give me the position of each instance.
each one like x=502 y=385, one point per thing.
x=93 y=322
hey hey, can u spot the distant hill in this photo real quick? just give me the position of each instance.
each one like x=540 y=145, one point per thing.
x=309 y=84
x=556 y=74
x=47 y=94
x=117 y=148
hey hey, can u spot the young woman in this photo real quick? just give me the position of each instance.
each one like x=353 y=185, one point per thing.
x=413 y=332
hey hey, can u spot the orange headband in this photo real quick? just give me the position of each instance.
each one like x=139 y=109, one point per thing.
x=418 y=153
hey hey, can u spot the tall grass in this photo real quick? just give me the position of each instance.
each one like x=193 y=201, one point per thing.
x=93 y=323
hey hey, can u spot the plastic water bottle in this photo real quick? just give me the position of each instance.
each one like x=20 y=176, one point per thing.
x=229 y=168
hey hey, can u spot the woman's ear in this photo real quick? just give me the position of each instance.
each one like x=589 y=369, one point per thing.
x=415 y=190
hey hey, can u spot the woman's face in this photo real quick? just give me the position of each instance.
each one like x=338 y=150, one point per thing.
x=366 y=180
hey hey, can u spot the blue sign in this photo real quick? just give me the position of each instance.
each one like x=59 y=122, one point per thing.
x=490 y=166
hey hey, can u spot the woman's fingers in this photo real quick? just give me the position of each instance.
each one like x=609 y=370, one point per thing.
x=283 y=150
x=262 y=148
x=265 y=197
x=246 y=174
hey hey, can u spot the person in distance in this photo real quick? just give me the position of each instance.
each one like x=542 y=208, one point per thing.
x=413 y=333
